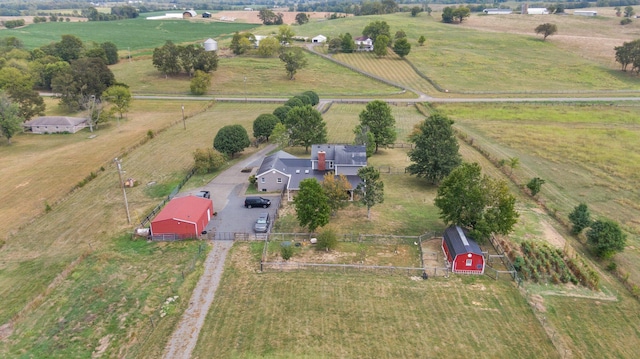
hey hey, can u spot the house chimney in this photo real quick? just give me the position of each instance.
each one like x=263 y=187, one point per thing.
x=322 y=166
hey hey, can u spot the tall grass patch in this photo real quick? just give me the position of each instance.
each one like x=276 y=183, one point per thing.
x=110 y=303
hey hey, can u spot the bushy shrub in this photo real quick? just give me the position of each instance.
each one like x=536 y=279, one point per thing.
x=327 y=240
x=207 y=160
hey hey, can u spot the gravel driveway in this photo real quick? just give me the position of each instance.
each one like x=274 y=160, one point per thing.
x=226 y=190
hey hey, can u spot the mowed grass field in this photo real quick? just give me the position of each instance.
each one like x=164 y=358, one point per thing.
x=306 y=314
x=259 y=77
x=135 y=34
x=481 y=56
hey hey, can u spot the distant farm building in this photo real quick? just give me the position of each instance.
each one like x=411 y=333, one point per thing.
x=534 y=10
x=585 y=13
x=211 y=45
x=497 y=11
x=167 y=16
x=364 y=43
x=182 y=217
x=319 y=39
x=462 y=253
x=56 y=124
x=189 y=14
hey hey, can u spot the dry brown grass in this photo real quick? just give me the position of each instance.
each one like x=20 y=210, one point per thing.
x=592 y=38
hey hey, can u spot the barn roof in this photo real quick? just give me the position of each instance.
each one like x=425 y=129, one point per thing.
x=187 y=208
x=458 y=241
x=56 y=121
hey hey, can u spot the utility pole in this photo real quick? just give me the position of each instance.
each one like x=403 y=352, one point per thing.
x=93 y=105
x=183 y=121
x=124 y=192
x=245 y=89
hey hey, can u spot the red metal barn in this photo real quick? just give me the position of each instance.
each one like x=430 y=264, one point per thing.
x=183 y=217
x=462 y=252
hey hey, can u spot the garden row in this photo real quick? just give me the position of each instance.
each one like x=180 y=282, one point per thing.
x=542 y=263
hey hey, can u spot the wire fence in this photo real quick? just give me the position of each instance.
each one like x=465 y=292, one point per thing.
x=296 y=239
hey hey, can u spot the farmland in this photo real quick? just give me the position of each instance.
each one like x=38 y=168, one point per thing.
x=74 y=285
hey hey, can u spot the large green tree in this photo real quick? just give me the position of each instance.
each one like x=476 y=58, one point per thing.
x=263 y=125
x=377 y=28
x=371 y=189
x=402 y=47
x=435 y=153
x=380 y=45
x=166 y=58
x=111 y=52
x=120 y=97
x=378 y=119
x=315 y=99
x=69 y=48
x=461 y=12
x=302 y=18
x=231 y=139
x=305 y=126
x=241 y=42
x=469 y=199
x=629 y=54
x=281 y=112
x=293 y=59
x=19 y=87
x=312 y=209
x=546 y=30
x=268 y=17
x=348 y=45
x=285 y=34
x=10 y=120
x=606 y=238
x=85 y=81
x=268 y=47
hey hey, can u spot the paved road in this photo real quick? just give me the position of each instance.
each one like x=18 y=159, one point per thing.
x=227 y=193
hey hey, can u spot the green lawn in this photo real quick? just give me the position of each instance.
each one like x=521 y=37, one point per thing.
x=134 y=34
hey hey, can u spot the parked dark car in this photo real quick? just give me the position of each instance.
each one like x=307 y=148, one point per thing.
x=204 y=194
x=251 y=202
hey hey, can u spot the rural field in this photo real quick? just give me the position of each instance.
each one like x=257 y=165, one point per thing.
x=73 y=284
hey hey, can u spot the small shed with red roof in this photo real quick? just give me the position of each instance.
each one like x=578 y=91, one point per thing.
x=462 y=252
x=183 y=217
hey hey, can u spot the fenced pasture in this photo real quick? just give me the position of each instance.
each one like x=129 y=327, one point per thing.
x=258 y=77
x=362 y=315
x=482 y=57
x=133 y=34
